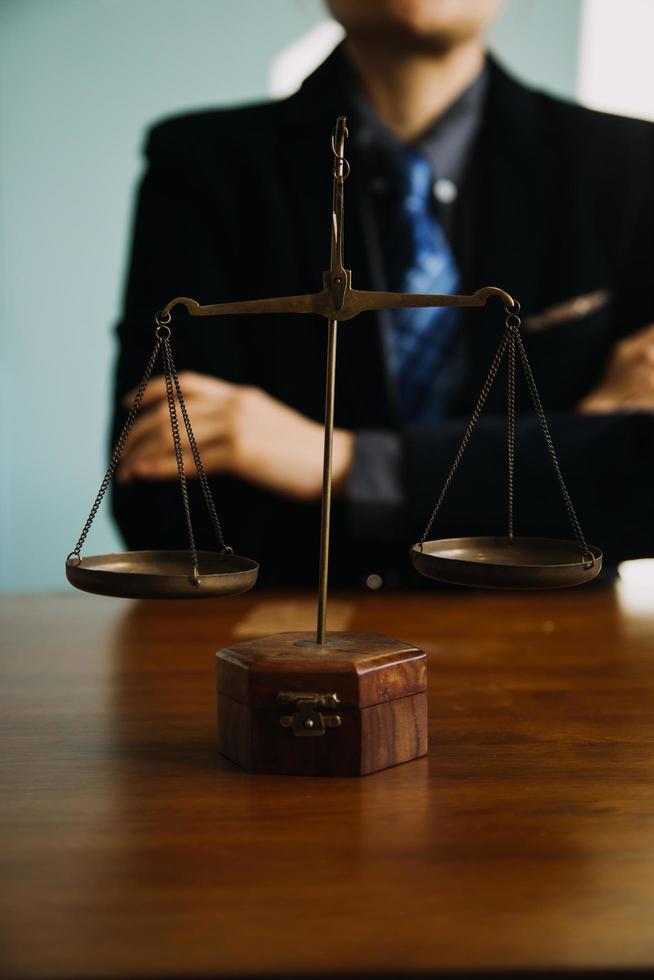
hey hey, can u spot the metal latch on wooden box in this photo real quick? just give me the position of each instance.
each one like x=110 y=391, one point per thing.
x=307 y=720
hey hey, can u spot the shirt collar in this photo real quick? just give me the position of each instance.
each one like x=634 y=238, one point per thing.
x=446 y=144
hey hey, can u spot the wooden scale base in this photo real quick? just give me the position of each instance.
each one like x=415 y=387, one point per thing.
x=349 y=707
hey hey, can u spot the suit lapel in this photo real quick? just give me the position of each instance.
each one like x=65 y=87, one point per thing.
x=513 y=214
x=362 y=392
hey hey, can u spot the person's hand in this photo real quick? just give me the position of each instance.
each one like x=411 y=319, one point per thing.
x=239 y=430
x=628 y=381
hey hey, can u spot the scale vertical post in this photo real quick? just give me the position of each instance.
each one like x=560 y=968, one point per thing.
x=337 y=281
x=330 y=384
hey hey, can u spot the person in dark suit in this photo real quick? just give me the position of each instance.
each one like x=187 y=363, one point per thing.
x=460 y=177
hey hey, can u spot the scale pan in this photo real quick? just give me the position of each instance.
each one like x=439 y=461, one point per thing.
x=162 y=574
x=501 y=563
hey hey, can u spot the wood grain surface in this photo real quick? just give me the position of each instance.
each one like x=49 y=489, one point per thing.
x=523 y=842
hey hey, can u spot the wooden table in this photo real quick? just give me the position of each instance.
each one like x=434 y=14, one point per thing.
x=524 y=841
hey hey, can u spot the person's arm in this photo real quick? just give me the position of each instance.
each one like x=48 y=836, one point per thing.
x=607 y=463
x=240 y=430
x=605 y=446
x=606 y=452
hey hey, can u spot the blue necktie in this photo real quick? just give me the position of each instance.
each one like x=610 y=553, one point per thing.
x=422 y=341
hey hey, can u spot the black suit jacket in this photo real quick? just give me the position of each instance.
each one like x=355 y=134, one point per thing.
x=235 y=204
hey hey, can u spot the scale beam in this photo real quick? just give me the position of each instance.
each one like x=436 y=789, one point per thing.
x=336 y=303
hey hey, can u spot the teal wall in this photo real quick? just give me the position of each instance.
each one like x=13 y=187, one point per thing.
x=539 y=40
x=79 y=81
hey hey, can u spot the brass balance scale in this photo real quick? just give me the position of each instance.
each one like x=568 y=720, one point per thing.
x=509 y=562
